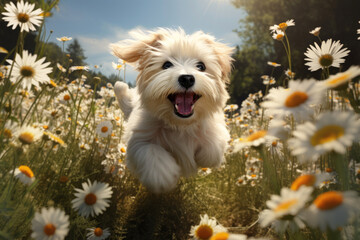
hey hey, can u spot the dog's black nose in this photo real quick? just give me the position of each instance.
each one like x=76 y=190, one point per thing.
x=186 y=81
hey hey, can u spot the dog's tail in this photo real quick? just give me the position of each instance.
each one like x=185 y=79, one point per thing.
x=126 y=97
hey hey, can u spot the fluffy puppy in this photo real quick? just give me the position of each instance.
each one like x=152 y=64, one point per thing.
x=175 y=120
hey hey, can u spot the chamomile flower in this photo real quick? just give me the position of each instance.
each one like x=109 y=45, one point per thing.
x=79 y=68
x=342 y=78
x=64 y=97
x=24 y=174
x=50 y=224
x=64 y=39
x=310 y=180
x=206 y=228
x=104 y=128
x=29 y=71
x=28 y=134
x=284 y=209
x=9 y=130
x=117 y=66
x=290 y=74
x=55 y=139
x=3 y=50
x=269 y=81
x=282 y=26
x=274 y=146
x=330 y=54
x=332 y=209
x=241 y=180
x=316 y=31
x=296 y=100
x=278 y=35
x=97 y=233
x=253 y=140
x=333 y=131
x=23 y=14
x=273 y=64
x=93 y=199
x=228 y=236
x=204 y=171
x=60 y=67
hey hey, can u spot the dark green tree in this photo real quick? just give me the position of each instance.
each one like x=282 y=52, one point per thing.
x=76 y=53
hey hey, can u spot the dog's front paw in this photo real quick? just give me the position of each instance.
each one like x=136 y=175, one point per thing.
x=158 y=170
x=120 y=88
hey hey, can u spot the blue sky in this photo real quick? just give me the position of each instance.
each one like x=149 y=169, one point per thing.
x=96 y=24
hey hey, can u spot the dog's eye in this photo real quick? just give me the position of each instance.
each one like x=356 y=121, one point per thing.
x=201 y=66
x=167 y=65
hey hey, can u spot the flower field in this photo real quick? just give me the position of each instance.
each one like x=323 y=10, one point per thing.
x=292 y=169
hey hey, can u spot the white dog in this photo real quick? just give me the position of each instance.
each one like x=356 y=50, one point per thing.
x=175 y=120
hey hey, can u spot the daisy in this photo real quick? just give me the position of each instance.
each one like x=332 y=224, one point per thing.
x=342 y=78
x=204 y=171
x=274 y=64
x=9 y=130
x=97 y=233
x=296 y=100
x=310 y=180
x=79 y=68
x=104 y=128
x=282 y=26
x=50 y=224
x=274 y=146
x=93 y=199
x=24 y=174
x=332 y=209
x=28 y=134
x=23 y=15
x=206 y=228
x=117 y=66
x=316 y=31
x=278 y=35
x=284 y=209
x=3 y=50
x=253 y=140
x=29 y=71
x=60 y=67
x=279 y=128
x=332 y=131
x=55 y=139
x=329 y=54
x=64 y=97
x=231 y=107
x=228 y=236
x=290 y=74
x=269 y=81
x=241 y=180
x=64 y=39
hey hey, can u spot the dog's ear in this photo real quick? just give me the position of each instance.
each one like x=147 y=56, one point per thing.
x=132 y=50
x=223 y=53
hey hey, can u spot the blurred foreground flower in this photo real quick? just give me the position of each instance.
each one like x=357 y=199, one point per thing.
x=333 y=131
x=24 y=174
x=23 y=15
x=342 y=78
x=93 y=199
x=50 y=224
x=29 y=71
x=329 y=54
x=284 y=209
x=206 y=228
x=28 y=134
x=332 y=209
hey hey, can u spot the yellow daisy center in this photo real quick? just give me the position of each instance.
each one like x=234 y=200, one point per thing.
x=274 y=143
x=204 y=169
x=283 y=26
x=329 y=170
x=253 y=175
x=98 y=232
x=328 y=200
x=23 y=17
x=279 y=37
x=204 y=231
x=26 y=171
x=26 y=137
x=240 y=180
x=307 y=180
x=123 y=150
x=66 y=97
x=285 y=205
x=49 y=229
x=256 y=135
x=340 y=79
x=326 y=60
x=104 y=129
x=295 y=99
x=27 y=71
x=7 y=133
x=90 y=199
x=327 y=134
x=52 y=83
x=220 y=236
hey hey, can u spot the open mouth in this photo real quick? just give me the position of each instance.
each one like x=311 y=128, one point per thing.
x=184 y=103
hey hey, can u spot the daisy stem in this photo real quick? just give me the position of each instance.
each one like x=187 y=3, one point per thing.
x=32 y=105
x=289 y=51
x=341 y=167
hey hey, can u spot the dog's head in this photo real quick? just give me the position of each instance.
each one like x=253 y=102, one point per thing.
x=182 y=78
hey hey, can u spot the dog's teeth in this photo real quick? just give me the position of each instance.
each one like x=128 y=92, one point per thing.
x=176 y=106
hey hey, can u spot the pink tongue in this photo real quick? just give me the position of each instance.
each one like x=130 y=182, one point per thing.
x=184 y=101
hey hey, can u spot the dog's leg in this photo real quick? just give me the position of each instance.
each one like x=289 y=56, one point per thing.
x=213 y=145
x=125 y=97
x=154 y=166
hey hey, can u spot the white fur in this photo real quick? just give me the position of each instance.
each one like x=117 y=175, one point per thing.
x=162 y=146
